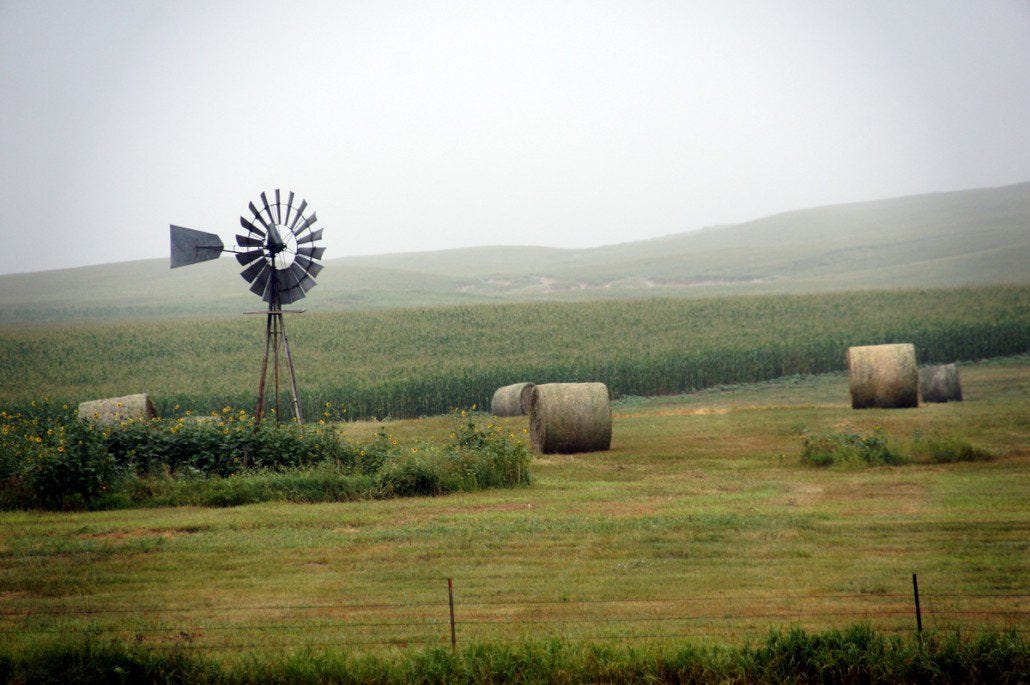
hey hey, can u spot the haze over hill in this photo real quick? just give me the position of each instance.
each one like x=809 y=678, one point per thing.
x=936 y=240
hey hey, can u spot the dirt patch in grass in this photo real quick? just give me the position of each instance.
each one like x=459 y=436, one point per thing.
x=166 y=533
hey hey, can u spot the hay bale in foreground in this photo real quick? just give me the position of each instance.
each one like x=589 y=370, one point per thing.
x=883 y=376
x=511 y=400
x=117 y=409
x=570 y=417
x=940 y=384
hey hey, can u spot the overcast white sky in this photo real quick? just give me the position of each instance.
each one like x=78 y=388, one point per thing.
x=428 y=125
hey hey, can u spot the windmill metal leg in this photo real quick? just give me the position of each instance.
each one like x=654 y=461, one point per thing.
x=293 y=376
x=264 y=372
x=275 y=350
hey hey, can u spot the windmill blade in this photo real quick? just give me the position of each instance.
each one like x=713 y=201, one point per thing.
x=310 y=266
x=189 y=246
x=245 y=258
x=289 y=206
x=297 y=275
x=286 y=296
x=260 y=284
x=253 y=271
x=291 y=295
x=312 y=252
x=257 y=215
x=310 y=237
x=251 y=227
x=300 y=213
x=278 y=208
x=308 y=223
x=247 y=241
x=288 y=278
x=307 y=283
x=264 y=200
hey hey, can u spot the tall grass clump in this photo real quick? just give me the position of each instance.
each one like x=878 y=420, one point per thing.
x=856 y=654
x=849 y=446
x=946 y=449
x=53 y=460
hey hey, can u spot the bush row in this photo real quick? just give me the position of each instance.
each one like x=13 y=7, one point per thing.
x=50 y=459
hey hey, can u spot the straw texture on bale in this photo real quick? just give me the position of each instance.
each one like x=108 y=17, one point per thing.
x=511 y=400
x=940 y=384
x=570 y=417
x=117 y=409
x=883 y=376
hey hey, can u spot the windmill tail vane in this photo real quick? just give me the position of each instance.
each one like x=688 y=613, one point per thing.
x=281 y=259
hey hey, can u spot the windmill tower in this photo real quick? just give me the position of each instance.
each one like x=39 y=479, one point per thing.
x=280 y=257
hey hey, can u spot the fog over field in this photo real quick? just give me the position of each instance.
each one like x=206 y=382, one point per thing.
x=427 y=126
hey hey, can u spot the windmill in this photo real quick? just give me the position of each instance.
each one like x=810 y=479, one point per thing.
x=280 y=260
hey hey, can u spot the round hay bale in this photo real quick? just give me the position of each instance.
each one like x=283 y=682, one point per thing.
x=511 y=400
x=570 y=417
x=940 y=384
x=883 y=376
x=117 y=409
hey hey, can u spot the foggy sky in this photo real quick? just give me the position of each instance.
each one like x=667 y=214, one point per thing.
x=430 y=125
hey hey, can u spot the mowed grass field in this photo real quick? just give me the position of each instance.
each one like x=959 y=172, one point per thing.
x=700 y=523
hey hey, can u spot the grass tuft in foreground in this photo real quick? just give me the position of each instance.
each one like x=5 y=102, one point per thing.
x=856 y=654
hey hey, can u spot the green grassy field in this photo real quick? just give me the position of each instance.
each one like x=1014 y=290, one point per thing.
x=700 y=523
x=415 y=362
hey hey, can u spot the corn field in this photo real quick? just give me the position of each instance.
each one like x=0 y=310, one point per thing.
x=412 y=362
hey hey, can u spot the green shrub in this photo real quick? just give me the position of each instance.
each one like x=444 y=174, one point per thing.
x=849 y=447
x=223 y=443
x=51 y=460
x=421 y=472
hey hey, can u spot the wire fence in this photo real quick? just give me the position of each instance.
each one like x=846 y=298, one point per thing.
x=451 y=619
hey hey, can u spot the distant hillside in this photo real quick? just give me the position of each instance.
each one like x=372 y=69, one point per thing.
x=942 y=239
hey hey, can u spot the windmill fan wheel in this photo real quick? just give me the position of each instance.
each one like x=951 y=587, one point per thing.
x=280 y=250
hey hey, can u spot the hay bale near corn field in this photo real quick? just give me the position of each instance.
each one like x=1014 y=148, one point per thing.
x=117 y=409
x=570 y=417
x=940 y=384
x=883 y=376
x=511 y=400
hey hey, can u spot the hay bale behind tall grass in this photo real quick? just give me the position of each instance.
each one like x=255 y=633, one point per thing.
x=570 y=417
x=511 y=400
x=883 y=376
x=940 y=384
x=117 y=409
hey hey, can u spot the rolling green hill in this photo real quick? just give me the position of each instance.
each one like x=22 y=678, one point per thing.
x=937 y=240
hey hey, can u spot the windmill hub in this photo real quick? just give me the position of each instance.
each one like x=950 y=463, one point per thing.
x=281 y=251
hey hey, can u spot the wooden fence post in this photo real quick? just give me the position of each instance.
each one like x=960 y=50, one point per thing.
x=450 y=599
x=915 y=593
